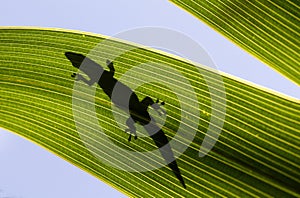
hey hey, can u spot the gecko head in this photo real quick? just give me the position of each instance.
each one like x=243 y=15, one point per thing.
x=76 y=59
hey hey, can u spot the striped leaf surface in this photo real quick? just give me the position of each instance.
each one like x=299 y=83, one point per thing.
x=257 y=153
x=269 y=30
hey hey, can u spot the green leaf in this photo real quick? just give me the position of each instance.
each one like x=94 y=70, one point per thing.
x=257 y=153
x=269 y=30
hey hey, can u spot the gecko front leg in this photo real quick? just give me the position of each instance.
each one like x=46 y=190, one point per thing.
x=111 y=67
x=79 y=77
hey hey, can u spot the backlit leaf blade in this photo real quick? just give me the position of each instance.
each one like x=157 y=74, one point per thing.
x=257 y=154
x=269 y=30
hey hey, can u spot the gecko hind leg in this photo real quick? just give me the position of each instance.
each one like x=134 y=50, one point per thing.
x=131 y=128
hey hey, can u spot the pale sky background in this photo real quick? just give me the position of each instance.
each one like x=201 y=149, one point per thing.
x=28 y=171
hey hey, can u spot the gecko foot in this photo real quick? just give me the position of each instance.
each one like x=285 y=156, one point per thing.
x=108 y=62
x=130 y=134
x=73 y=75
x=131 y=128
x=157 y=108
x=129 y=139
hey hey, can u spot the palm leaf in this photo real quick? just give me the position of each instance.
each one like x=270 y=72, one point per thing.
x=269 y=30
x=257 y=153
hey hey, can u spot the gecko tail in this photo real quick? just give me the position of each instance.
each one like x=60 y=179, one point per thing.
x=161 y=141
x=174 y=167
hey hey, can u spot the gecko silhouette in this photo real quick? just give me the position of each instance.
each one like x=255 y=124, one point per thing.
x=126 y=99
